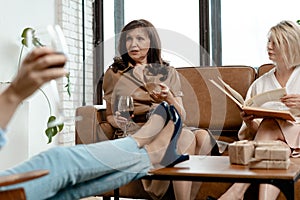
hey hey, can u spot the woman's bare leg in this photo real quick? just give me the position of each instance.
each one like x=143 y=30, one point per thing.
x=268 y=130
x=235 y=192
x=152 y=127
x=156 y=150
x=157 y=147
x=186 y=145
x=203 y=147
x=204 y=144
x=268 y=192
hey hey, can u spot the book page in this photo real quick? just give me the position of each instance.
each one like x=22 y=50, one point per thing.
x=237 y=95
x=260 y=99
x=263 y=105
x=233 y=98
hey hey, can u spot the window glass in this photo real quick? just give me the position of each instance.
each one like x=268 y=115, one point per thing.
x=177 y=23
x=245 y=25
x=109 y=32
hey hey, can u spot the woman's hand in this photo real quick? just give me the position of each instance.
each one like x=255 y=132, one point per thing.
x=249 y=121
x=33 y=73
x=246 y=118
x=120 y=121
x=36 y=69
x=291 y=100
x=250 y=126
x=163 y=93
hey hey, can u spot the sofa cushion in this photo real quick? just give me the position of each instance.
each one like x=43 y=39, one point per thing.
x=264 y=68
x=206 y=106
x=93 y=127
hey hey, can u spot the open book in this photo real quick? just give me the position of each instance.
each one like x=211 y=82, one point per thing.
x=255 y=105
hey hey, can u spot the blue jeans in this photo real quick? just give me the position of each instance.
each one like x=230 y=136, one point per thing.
x=83 y=170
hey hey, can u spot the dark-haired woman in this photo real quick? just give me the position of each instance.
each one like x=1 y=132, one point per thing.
x=141 y=72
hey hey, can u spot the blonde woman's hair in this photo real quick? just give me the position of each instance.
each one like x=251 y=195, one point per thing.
x=286 y=37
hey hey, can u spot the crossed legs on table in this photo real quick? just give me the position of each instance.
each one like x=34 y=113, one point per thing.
x=85 y=170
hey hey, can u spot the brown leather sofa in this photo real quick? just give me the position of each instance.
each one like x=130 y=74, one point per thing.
x=206 y=107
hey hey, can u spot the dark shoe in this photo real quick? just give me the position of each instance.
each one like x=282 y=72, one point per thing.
x=171 y=156
x=210 y=198
x=163 y=109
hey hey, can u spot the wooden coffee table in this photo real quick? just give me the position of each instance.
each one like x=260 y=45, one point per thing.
x=219 y=169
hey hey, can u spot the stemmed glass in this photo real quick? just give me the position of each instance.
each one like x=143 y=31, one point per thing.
x=53 y=37
x=125 y=108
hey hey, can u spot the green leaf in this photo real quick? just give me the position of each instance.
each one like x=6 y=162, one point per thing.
x=298 y=21
x=35 y=41
x=51 y=131
x=68 y=84
x=24 y=36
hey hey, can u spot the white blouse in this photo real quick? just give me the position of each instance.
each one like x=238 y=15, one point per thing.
x=269 y=82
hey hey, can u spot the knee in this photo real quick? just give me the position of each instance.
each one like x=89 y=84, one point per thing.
x=187 y=142
x=268 y=123
x=202 y=136
x=268 y=130
x=53 y=153
x=204 y=142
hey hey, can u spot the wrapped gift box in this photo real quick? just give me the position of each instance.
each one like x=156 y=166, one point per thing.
x=241 y=152
x=268 y=143
x=270 y=164
x=272 y=152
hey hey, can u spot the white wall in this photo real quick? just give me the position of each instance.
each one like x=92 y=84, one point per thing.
x=15 y=16
x=26 y=130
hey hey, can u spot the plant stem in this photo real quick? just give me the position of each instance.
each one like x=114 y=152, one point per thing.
x=47 y=100
x=19 y=63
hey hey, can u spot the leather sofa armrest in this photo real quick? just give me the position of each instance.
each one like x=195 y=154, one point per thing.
x=93 y=126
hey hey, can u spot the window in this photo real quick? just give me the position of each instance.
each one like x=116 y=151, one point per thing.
x=245 y=25
x=182 y=27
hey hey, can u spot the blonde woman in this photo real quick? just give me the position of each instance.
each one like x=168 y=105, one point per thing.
x=284 y=50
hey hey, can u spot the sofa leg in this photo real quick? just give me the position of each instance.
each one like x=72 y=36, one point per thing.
x=106 y=198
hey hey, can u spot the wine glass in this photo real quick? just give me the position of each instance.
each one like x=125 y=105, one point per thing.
x=53 y=37
x=125 y=108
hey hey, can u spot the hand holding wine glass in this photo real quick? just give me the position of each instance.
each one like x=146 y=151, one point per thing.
x=125 y=110
x=52 y=37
